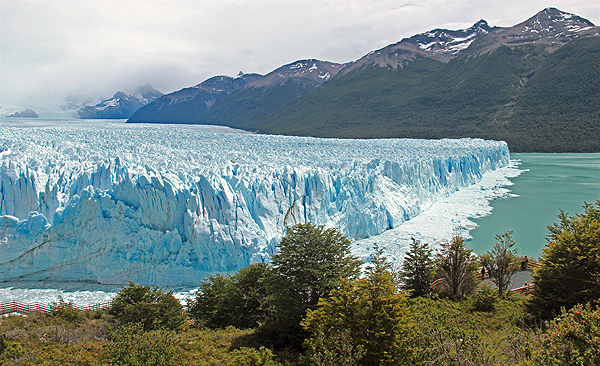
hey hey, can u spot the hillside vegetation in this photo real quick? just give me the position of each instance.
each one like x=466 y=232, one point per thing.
x=311 y=307
x=534 y=100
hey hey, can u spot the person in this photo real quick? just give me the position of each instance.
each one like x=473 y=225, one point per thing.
x=524 y=263
x=482 y=273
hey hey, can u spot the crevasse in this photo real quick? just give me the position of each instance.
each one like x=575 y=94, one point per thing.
x=170 y=205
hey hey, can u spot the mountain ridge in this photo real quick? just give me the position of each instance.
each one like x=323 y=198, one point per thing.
x=121 y=105
x=436 y=84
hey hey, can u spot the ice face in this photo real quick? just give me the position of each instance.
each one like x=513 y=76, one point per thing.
x=169 y=205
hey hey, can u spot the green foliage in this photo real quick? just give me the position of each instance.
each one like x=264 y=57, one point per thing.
x=573 y=338
x=310 y=262
x=456 y=266
x=569 y=271
x=484 y=299
x=364 y=322
x=9 y=350
x=502 y=261
x=418 y=269
x=444 y=336
x=65 y=311
x=131 y=345
x=150 y=307
x=237 y=300
x=246 y=356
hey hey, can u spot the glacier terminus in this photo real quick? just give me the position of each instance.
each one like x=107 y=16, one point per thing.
x=109 y=202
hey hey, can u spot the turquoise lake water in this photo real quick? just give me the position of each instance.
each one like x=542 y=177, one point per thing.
x=552 y=183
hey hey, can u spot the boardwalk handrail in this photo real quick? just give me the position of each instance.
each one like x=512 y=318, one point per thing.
x=14 y=306
x=525 y=290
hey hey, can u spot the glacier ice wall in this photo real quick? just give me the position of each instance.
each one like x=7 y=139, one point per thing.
x=169 y=205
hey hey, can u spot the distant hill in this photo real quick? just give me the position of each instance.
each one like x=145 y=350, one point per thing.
x=121 y=105
x=244 y=101
x=535 y=85
x=27 y=113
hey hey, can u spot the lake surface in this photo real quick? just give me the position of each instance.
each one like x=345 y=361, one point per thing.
x=550 y=183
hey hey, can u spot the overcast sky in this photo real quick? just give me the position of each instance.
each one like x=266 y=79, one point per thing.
x=53 y=48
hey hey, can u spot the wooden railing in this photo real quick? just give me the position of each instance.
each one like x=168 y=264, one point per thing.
x=9 y=307
x=525 y=290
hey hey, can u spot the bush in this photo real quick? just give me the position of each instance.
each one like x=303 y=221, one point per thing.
x=246 y=356
x=484 y=299
x=130 y=345
x=573 y=338
x=364 y=322
x=151 y=308
x=65 y=311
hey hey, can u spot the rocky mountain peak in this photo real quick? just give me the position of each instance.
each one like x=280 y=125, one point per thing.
x=449 y=43
x=308 y=72
x=550 y=28
x=553 y=22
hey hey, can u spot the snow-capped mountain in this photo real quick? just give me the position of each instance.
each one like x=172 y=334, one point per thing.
x=439 y=44
x=174 y=107
x=110 y=202
x=121 y=105
x=550 y=27
x=195 y=104
x=445 y=44
x=305 y=72
x=27 y=113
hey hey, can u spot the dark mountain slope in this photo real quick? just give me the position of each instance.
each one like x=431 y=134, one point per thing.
x=527 y=92
x=248 y=107
x=189 y=105
x=242 y=101
x=559 y=108
x=370 y=94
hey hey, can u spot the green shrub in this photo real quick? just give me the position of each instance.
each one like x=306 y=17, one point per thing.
x=152 y=308
x=484 y=299
x=573 y=338
x=130 y=345
x=65 y=311
x=246 y=356
x=9 y=350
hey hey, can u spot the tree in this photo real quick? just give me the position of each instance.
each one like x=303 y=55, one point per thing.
x=569 y=271
x=310 y=262
x=152 y=308
x=456 y=266
x=237 y=300
x=364 y=322
x=502 y=261
x=418 y=269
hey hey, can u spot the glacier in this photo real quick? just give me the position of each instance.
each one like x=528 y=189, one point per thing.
x=108 y=202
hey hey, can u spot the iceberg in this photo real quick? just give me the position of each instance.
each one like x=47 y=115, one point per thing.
x=167 y=205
